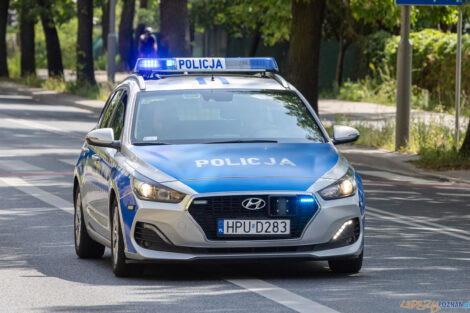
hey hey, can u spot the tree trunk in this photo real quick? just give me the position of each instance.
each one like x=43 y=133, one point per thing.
x=174 y=28
x=143 y=4
x=27 y=22
x=125 y=35
x=343 y=46
x=139 y=30
x=4 y=4
x=105 y=25
x=85 y=70
x=255 y=42
x=54 y=54
x=304 y=51
x=465 y=149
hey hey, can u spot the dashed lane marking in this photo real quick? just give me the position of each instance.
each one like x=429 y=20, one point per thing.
x=453 y=194
x=281 y=296
x=42 y=195
x=260 y=287
x=418 y=222
x=24 y=174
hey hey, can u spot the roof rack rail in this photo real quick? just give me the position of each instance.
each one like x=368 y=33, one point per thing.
x=139 y=80
x=280 y=80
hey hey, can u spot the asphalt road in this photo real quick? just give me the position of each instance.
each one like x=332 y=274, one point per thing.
x=417 y=241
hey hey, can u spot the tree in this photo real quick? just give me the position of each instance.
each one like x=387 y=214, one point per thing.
x=174 y=28
x=465 y=149
x=4 y=4
x=143 y=4
x=105 y=24
x=304 y=50
x=53 y=52
x=85 y=70
x=343 y=28
x=27 y=22
x=266 y=21
x=125 y=35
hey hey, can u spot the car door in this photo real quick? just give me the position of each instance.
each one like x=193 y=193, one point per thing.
x=95 y=190
x=107 y=165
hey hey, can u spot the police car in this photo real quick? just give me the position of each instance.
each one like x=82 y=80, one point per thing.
x=215 y=159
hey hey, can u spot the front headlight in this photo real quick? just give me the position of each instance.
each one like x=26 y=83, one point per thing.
x=343 y=188
x=146 y=189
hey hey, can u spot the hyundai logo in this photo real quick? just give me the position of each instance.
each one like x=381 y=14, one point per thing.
x=253 y=204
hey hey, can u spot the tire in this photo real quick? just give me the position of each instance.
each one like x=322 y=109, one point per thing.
x=118 y=257
x=85 y=247
x=347 y=266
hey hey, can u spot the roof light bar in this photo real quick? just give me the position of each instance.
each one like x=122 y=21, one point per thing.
x=178 y=65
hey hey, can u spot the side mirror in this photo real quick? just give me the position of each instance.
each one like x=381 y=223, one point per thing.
x=344 y=134
x=103 y=137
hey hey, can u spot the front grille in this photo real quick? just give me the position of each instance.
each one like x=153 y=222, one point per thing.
x=208 y=210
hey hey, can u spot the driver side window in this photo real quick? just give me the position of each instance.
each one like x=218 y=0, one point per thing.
x=104 y=123
x=117 y=121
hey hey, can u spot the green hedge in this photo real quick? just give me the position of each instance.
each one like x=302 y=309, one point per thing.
x=433 y=61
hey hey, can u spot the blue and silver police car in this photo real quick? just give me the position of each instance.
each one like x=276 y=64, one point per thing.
x=215 y=159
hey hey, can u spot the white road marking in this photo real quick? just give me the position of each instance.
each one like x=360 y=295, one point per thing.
x=265 y=289
x=392 y=191
x=281 y=296
x=37 y=152
x=400 y=178
x=373 y=183
x=15 y=97
x=28 y=124
x=452 y=194
x=32 y=124
x=72 y=162
x=42 y=108
x=18 y=166
x=418 y=223
x=38 y=193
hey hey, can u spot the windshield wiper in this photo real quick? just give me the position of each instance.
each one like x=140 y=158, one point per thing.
x=243 y=141
x=160 y=143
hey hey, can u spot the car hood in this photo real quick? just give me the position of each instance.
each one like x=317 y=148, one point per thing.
x=242 y=166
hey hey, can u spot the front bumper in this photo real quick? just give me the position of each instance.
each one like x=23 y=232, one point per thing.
x=178 y=228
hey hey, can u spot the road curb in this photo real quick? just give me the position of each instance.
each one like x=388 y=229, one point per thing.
x=385 y=159
x=393 y=161
x=53 y=97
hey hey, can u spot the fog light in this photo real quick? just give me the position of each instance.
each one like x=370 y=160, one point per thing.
x=341 y=229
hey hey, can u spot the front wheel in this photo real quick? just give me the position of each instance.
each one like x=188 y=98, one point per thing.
x=120 y=267
x=85 y=247
x=347 y=266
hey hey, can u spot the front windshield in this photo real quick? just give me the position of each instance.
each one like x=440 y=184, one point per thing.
x=214 y=116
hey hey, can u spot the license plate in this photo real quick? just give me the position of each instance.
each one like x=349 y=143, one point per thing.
x=253 y=227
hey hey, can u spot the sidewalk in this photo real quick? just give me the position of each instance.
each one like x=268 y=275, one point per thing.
x=398 y=162
x=377 y=114
x=70 y=75
x=50 y=96
x=380 y=158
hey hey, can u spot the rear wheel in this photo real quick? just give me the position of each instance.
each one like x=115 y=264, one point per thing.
x=120 y=267
x=85 y=247
x=347 y=266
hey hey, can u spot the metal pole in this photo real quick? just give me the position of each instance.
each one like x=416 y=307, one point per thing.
x=458 y=80
x=404 y=61
x=112 y=41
